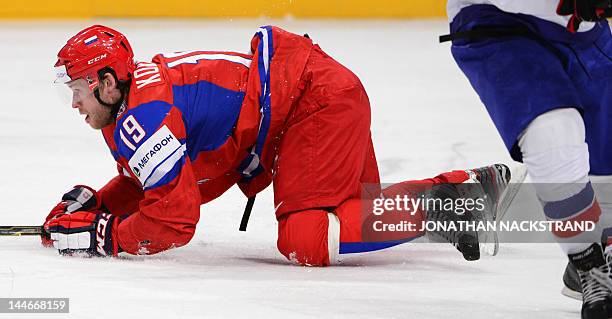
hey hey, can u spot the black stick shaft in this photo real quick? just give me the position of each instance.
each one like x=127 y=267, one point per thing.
x=20 y=230
x=247 y=214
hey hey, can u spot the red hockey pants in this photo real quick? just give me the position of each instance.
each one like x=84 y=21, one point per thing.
x=325 y=158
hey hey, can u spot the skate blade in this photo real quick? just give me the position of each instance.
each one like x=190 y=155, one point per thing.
x=571 y=293
x=489 y=244
x=517 y=176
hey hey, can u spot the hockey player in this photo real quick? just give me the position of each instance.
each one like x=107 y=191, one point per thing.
x=543 y=69
x=187 y=126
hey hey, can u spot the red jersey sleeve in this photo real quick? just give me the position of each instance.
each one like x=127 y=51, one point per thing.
x=150 y=138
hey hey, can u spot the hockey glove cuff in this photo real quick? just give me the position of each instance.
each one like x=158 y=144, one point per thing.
x=80 y=197
x=84 y=233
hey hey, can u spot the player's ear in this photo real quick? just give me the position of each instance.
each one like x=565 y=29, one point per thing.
x=108 y=81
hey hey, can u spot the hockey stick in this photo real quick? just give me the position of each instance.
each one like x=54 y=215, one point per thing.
x=247 y=214
x=21 y=230
x=74 y=205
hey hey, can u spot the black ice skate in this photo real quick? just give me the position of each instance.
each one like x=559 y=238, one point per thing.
x=571 y=282
x=495 y=181
x=571 y=279
x=465 y=241
x=593 y=272
x=489 y=183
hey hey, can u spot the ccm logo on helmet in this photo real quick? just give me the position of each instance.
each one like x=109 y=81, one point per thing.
x=96 y=59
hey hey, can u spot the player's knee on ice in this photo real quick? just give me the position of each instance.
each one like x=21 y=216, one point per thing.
x=309 y=237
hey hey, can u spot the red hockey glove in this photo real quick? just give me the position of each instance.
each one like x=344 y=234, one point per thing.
x=88 y=233
x=584 y=10
x=80 y=197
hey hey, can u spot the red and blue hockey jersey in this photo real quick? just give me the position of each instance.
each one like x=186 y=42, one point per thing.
x=194 y=124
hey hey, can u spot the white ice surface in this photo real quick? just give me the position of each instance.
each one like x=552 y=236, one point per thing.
x=426 y=119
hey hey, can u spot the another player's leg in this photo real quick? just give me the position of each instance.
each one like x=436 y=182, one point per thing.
x=537 y=79
x=557 y=158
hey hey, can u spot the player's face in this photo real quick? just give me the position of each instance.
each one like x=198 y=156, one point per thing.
x=83 y=99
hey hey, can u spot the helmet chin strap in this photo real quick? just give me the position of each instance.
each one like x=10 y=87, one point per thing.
x=113 y=106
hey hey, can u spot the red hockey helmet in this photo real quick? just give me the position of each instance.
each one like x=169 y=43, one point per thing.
x=91 y=50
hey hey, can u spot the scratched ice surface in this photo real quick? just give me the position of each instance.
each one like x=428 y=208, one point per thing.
x=426 y=119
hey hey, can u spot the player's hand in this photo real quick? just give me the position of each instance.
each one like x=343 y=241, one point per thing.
x=80 y=197
x=584 y=10
x=91 y=233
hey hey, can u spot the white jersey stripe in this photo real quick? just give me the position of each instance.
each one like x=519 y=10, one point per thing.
x=164 y=168
x=207 y=56
x=265 y=57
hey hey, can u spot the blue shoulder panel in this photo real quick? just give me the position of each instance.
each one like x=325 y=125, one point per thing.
x=209 y=112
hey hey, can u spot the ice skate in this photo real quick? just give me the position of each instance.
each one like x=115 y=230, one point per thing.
x=571 y=283
x=593 y=272
x=571 y=279
x=489 y=183
x=465 y=241
x=500 y=184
